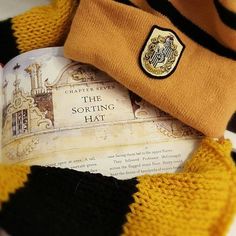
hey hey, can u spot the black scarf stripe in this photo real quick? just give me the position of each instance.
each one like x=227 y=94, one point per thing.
x=66 y=202
x=8 y=45
x=227 y=16
x=127 y=2
x=190 y=29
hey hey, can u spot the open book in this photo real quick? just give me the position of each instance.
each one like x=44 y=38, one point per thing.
x=57 y=112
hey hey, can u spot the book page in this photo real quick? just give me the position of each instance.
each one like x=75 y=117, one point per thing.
x=62 y=113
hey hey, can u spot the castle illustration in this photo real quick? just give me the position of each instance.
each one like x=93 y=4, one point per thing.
x=41 y=95
x=33 y=111
x=27 y=112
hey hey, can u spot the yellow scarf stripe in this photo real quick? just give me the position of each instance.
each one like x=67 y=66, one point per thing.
x=198 y=201
x=12 y=177
x=44 y=26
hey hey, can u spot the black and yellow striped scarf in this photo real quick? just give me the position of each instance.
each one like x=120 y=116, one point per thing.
x=198 y=201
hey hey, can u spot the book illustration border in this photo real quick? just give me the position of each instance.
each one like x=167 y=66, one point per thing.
x=32 y=113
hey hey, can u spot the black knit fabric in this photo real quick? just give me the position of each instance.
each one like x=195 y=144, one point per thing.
x=8 y=46
x=232 y=124
x=190 y=29
x=227 y=16
x=67 y=202
x=234 y=156
x=127 y=2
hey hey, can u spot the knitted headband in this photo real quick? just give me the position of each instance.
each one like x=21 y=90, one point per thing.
x=216 y=17
x=170 y=62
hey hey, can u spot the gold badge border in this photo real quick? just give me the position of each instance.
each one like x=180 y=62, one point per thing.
x=144 y=45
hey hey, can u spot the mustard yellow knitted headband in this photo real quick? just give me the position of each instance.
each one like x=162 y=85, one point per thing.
x=192 y=78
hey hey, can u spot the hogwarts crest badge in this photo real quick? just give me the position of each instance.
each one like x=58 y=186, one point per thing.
x=161 y=53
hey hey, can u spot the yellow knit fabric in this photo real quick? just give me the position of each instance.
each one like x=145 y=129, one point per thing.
x=197 y=202
x=44 y=26
x=12 y=177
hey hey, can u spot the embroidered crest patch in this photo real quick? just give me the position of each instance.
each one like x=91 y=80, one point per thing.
x=161 y=53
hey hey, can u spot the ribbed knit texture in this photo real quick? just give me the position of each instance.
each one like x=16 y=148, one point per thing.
x=198 y=201
x=39 y=27
x=207 y=14
x=43 y=26
x=209 y=18
x=58 y=202
x=200 y=93
x=11 y=178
